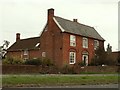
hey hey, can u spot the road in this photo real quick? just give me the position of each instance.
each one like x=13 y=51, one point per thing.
x=81 y=87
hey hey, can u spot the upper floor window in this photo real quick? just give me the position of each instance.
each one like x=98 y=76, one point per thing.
x=72 y=40
x=72 y=57
x=85 y=42
x=96 y=44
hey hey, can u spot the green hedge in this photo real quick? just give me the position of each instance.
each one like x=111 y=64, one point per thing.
x=37 y=61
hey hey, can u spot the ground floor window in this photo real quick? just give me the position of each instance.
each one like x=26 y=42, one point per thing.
x=25 y=52
x=43 y=54
x=72 y=57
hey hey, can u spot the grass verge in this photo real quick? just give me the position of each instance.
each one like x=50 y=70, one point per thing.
x=55 y=80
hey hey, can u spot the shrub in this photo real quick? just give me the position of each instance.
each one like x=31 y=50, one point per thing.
x=101 y=58
x=10 y=60
x=68 y=70
x=34 y=62
x=46 y=62
x=17 y=61
x=93 y=62
x=37 y=61
x=81 y=63
x=118 y=59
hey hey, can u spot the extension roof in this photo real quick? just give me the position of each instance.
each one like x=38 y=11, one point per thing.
x=26 y=44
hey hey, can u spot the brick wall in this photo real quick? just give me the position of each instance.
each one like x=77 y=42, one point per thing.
x=29 y=69
x=51 y=40
x=34 y=54
x=78 y=49
x=20 y=54
x=15 y=54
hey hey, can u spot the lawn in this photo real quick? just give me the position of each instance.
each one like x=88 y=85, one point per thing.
x=56 y=80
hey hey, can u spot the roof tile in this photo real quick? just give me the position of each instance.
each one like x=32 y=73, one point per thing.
x=77 y=28
x=29 y=43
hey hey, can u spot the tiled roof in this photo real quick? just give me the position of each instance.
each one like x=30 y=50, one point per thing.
x=23 y=44
x=76 y=28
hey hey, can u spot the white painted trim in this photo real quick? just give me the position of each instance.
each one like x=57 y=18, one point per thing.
x=74 y=58
x=43 y=30
x=58 y=24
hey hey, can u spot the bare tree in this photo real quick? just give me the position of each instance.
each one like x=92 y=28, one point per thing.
x=3 y=48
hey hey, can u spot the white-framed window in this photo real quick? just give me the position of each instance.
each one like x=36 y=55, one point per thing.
x=96 y=44
x=72 y=40
x=85 y=42
x=72 y=57
x=43 y=54
x=25 y=52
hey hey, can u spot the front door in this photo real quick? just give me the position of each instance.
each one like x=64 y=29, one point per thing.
x=85 y=60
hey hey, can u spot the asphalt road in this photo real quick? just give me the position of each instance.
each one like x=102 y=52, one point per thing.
x=78 y=86
x=81 y=87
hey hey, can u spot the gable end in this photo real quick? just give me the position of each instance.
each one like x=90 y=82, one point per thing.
x=58 y=25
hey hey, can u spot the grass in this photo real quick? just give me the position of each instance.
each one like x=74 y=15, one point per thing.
x=55 y=80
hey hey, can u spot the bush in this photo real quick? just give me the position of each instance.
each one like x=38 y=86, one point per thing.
x=46 y=62
x=81 y=64
x=68 y=70
x=10 y=60
x=17 y=61
x=33 y=62
x=39 y=61
x=101 y=58
x=118 y=59
x=93 y=62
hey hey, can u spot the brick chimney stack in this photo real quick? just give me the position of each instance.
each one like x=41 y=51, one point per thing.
x=75 y=20
x=50 y=18
x=17 y=37
x=50 y=13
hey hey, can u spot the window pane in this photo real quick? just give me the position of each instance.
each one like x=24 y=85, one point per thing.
x=96 y=44
x=72 y=57
x=85 y=43
x=72 y=40
x=25 y=52
x=43 y=54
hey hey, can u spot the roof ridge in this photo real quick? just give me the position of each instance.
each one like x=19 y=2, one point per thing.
x=29 y=38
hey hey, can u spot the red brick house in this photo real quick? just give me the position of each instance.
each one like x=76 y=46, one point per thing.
x=63 y=41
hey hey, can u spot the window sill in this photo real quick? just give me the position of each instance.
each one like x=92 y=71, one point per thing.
x=73 y=46
x=71 y=63
x=85 y=47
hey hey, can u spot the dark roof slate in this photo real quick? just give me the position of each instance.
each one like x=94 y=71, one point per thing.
x=77 y=28
x=23 y=44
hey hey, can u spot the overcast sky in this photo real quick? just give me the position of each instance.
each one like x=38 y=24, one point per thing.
x=28 y=17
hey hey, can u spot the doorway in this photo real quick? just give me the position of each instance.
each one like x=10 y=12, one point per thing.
x=85 y=59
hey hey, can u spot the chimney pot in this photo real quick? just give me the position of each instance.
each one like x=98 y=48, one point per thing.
x=50 y=13
x=74 y=20
x=17 y=36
